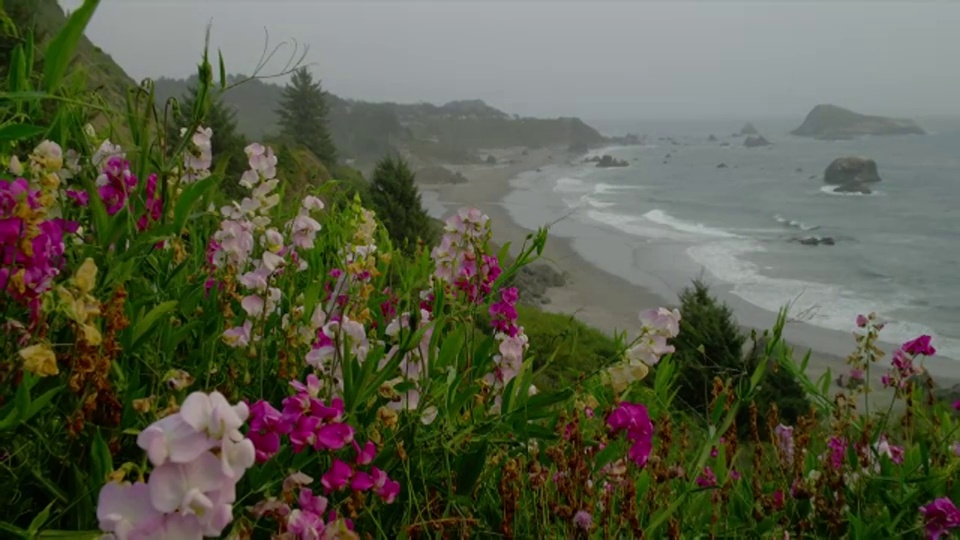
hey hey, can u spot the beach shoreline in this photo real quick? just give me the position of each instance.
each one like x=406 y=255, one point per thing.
x=611 y=303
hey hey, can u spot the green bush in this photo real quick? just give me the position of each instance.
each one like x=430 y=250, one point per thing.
x=711 y=345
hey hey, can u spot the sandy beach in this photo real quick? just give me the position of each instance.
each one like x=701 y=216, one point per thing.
x=609 y=302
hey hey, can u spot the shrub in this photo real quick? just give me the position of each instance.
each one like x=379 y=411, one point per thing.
x=710 y=346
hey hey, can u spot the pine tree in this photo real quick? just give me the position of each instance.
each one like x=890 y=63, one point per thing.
x=397 y=202
x=303 y=116
x=227 y=142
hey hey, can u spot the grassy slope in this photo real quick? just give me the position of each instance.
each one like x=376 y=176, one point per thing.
x=102 y=74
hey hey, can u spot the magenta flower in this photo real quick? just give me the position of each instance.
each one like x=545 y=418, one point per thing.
x=583 y=520
x=333 y=436
x=956 y=405
x=920 y=345
x=263 y=433
x=778 y=499
x=862 y=321
x=838 y=451
x=940 y=517
x=80 y=198
x=707 y=478
x=153 y=203
x=635 y=420
x=337 y=477
x=366 y=454
x=115 y=184
x=383 y=486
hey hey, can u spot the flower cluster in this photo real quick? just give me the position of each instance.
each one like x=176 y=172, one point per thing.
x=460 y=258
x=940 y=516
x=245 y=227
x=404 y=391
x=306 y=420
x=656 y=327
x=199 y=155
x=512 y=341
x=303 y=515
x=635 y=420
x=198 y=456
x=31 y=231
x=902 y=361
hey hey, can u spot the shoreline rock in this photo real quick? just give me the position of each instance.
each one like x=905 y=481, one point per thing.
x=829 y=122
x=851 y=174
x=756 y=141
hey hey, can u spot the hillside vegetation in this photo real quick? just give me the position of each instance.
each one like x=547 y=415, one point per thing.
x=365 y=131
x=180 y=363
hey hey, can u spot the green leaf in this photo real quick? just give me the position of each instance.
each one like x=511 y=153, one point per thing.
x=16 y=132
x=191 y=194
x=12 y=529
x=38 y=404
x=469 y=469
x=39 y=520
x=223 y=71
x=449 y=351
x=538 y=406
x=504 y=253
x=61 y=48
x=102 y=460
x=148 y=322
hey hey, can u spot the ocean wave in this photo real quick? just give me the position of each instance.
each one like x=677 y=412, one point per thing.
x=823 y=304
x=571 y=185
x=635 y=226
x=662 y=218
x=603 y=189
x=796 y=224
x=832 y=190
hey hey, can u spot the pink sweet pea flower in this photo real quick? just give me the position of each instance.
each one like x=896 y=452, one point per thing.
x=920 y=345
x=366 y=454
x=312 y=503
x=940 y=517
x=383 y=486
x=337 y=477
x=199 y=488
x=333 y=436
x=125 y=510
x=707 y=478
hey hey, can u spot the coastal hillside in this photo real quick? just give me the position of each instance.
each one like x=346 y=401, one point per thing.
x=832 y=123
x=454 y=132
x=100 y=72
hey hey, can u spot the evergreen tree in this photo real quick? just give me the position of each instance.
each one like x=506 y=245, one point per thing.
x=396 y=200
x=227 y=142
x=710 y=345
x=303 y=116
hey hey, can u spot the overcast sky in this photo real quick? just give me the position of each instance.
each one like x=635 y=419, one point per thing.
x=590 y=59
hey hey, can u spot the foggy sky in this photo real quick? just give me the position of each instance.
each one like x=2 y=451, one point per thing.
x=589 y=59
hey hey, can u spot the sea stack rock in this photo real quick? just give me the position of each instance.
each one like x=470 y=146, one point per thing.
x=608 y=161
x=749 y=129
x=830 y=122
x=755 y=141
x=851 y=174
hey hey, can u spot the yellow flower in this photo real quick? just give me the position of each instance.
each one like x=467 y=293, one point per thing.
x=86 y=277
x=622 y=375
x=91 y=334
x=39 y=360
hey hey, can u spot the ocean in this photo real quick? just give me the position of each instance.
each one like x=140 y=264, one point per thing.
x=673 y=216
